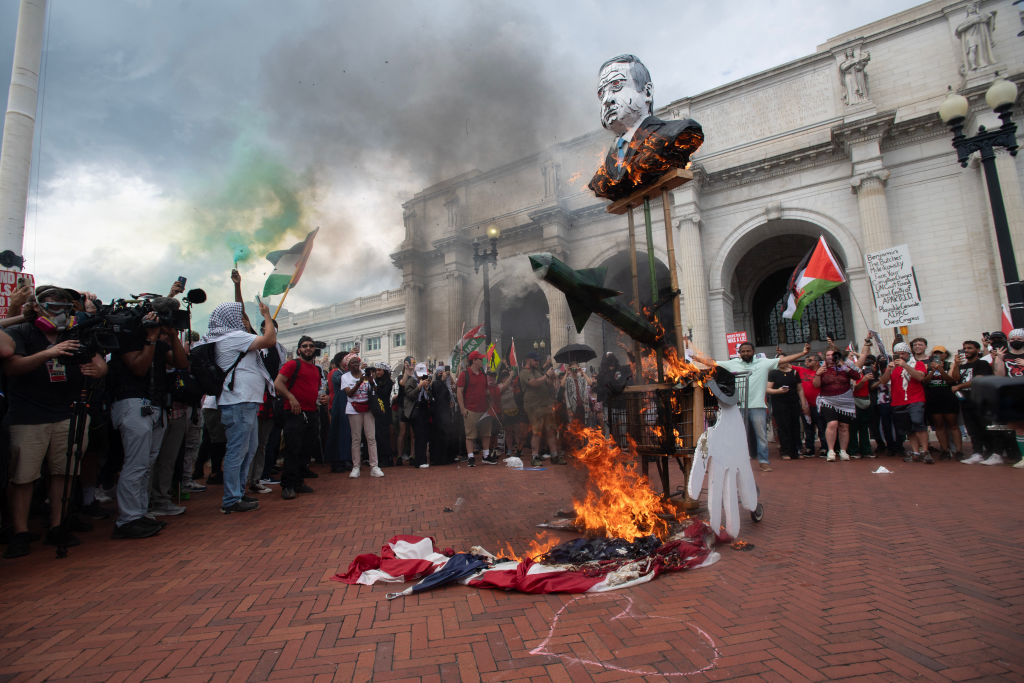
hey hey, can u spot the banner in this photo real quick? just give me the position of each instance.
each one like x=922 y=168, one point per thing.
x=894 y=287
x=9 y=280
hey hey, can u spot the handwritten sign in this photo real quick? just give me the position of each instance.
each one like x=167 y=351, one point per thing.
x=8 y=283
x=894 y=287
x=733 y=340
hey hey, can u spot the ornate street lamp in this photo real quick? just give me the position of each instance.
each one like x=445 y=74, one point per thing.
x=485 y=258
x=1001 y=96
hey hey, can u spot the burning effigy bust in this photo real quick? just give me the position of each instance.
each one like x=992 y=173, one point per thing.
x=646 y=146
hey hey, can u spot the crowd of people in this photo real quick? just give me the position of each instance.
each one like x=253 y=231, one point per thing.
x=163 y=414
x=846 y=404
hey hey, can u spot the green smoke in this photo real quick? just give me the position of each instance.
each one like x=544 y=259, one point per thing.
x=248 y=213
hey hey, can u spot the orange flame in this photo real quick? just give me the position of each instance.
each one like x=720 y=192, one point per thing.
x=619 y=502
x=543 y=542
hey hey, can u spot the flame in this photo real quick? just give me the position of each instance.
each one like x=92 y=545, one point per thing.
x=650 y=156
x=540 y=545
x=619 y=502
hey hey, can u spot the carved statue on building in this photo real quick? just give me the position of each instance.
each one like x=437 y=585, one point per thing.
x=855 y=81
x=975 y=34
x=646 y=146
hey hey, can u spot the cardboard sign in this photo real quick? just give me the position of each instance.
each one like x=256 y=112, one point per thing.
x=8 y=283
x=733 y=341
x=894 y=287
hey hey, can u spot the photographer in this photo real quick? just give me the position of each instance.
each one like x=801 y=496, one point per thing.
x=298 y=382
x=416 y=389
x=42 y=385
x=966 y=367
x=244 y=385
x=835 y=400
x=140 y=391
x=360 y=419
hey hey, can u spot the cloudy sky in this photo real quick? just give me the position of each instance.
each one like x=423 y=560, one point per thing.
x=172 y=132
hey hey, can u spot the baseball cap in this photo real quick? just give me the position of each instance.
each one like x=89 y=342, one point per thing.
x=473 y=356
x=421 y=370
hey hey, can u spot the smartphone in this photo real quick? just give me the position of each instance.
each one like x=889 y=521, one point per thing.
x=22 y=281
x=259 y=301
x=181 y=281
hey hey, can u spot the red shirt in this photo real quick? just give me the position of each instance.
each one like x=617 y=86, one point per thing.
x=906 y=389
x=306 y=386
x=474 y=393
x=836 y=381
x=807 y=379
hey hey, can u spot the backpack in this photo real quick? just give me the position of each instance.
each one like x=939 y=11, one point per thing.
x=209 y=376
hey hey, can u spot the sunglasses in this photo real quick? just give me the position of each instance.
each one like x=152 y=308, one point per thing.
x=307 y=346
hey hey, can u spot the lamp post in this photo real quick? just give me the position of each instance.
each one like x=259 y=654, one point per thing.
x=1000 y=96
x=485 y=258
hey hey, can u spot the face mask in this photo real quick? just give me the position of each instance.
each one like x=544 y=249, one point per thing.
x=1016 y=345
x=52 y=323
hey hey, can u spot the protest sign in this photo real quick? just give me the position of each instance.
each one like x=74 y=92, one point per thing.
x=9 y=281
x=894 y=287
x=733 y=340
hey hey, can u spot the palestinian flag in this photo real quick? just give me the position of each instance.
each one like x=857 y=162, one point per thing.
x=513 y=360
x=817 y=273
x=288 y=266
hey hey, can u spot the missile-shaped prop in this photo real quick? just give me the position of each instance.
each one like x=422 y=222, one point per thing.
x=586 y=294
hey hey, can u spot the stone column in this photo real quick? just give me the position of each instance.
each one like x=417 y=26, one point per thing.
x=560 y=324
x=455 y=287
x=693 y=282
x=415 y=340
x=874 y=210
x=720 y=314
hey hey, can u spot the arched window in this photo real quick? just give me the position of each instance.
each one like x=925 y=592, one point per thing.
x=822 y=317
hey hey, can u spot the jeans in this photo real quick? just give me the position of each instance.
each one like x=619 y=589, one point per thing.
x=141 y=436
x=757 y=418
x=239 y=420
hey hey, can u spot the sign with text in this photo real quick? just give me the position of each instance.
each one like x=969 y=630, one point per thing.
x=733 y=340
x=894 y=287
x=9 y=280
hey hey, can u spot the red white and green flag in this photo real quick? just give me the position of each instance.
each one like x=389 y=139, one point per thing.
x=470 y=342
x=288 y=266
x=817 y=273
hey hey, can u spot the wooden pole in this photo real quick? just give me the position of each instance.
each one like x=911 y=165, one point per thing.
x=636 y=284
x=673 y=275
x=280 y=303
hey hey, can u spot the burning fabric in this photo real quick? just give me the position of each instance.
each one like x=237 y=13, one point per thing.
x=577 y=566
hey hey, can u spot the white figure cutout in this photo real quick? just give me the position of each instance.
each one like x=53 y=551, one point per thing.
x=731 y=478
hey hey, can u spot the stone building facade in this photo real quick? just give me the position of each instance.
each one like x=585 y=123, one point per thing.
x=844 y=143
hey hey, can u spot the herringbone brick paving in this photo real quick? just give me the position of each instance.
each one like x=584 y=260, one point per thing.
x=913 y=575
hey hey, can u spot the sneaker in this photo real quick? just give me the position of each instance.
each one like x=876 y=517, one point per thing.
x=54 y=536
x=249 y=499
x=471 y=461
x=147 y=520
x=558 y=459
x=1019 y=464
x=375 y=472
x=424 y=466
x=909 y=457
x=303 y=488
x=354 y=474
x=830 y=457
x=490 y=460
x=240 y=506
x=18 y=546
x=536 y=461
x=260 y=488
x=192 y=486
x=765 y=467
x=546 y=456
x=843 y=455
x=167 y=509
x=270 y=481
x=927 y=459
x=104 y=495
x=974 y=459
x=136 y=529
x=994 y=459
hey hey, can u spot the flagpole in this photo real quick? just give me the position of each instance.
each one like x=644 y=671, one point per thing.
x=280 y=303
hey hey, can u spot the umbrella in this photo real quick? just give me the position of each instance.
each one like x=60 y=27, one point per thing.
x=575 y=353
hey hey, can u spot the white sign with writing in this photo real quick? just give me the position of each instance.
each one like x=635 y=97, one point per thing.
x=9 y=281
x=894 y=287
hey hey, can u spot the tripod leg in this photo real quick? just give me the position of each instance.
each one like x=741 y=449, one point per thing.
x=73 y=457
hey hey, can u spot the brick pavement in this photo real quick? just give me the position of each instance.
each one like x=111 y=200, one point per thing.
x=916 y=574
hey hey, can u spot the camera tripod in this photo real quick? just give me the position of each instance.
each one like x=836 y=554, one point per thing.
x=76 y=436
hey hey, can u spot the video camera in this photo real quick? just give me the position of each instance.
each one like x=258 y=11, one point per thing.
x=115 y=325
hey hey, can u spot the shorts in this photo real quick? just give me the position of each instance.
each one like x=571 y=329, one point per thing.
x=940 y=402
x=32 y=444
x=909 y=418
x=830 y=414
x=541 y=418
x=471 y=418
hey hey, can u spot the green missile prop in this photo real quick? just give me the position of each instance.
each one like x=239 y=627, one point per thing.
x=586 y=294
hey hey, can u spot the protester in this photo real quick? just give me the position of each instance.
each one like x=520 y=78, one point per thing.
x=246 y=382
x=416 y=389
x=268 y=422
x=404 y=429
x=381 y=386
x=940 y=405
x=811 y=423
x=1008 y=361
x=473 y=398
x=298 y=383
x=864 y=415
x=966 y=366
x=757 y=383
x=906 y=375
x=360 y=419
x=539 y=389
x=788 y=402
x=45 y=377
x=339 y=436
x=835 y=401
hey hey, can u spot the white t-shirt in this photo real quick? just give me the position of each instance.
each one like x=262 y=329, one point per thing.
x=251 y=376
x=361 y=395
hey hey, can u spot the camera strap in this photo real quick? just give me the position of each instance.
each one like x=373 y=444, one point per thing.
x=231 y=370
